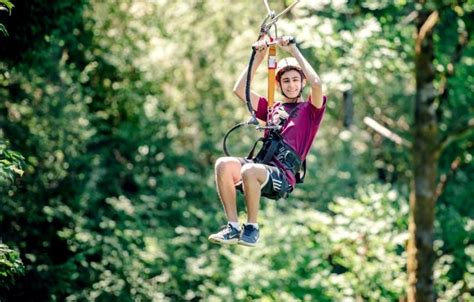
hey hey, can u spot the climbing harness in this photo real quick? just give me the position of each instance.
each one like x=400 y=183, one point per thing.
x=273 y=145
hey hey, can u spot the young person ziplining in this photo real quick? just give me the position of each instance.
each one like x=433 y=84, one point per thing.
x=298 y=121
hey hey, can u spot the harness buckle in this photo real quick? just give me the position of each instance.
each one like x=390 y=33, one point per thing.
x=271 y=128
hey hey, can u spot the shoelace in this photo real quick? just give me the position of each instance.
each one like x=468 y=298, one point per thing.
x=227 y=228
x=249 y=228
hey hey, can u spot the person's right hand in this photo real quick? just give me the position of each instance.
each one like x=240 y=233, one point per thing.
x=260 y=46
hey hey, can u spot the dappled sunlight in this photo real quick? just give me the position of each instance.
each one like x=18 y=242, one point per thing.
x=112 y=115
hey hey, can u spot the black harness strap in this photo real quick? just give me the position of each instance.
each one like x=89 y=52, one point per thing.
x=301 y=173
x=275 y=147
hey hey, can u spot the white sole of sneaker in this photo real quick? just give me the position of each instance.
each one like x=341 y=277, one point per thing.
x=223 y=242
x=247 y=244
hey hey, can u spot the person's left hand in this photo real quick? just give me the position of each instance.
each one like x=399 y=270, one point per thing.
x=286 y=42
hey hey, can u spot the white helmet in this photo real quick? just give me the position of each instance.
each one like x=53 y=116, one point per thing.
x=285 y=64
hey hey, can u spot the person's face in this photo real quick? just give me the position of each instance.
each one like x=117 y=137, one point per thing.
x=291 y=84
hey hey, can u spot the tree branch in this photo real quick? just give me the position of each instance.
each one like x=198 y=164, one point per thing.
x=400 y=123
x=447 y=176
x=410 y=18
x=426 y=28
x=386 y=132
x=455 y=135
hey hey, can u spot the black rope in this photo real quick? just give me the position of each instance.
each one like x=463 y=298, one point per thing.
x=224 y=141
x=253 y=119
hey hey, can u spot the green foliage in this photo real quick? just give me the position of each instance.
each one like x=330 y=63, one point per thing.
x=11 y=267
x=455 y=228
x=119 y=108
x=354 y=252
x=5 y=5
x=11 y=163
x=3 y=30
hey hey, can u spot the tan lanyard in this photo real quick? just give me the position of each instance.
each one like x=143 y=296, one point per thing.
x=272 y=64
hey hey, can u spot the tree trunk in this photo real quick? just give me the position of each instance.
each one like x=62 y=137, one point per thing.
x=348 y=108
x=421 y=256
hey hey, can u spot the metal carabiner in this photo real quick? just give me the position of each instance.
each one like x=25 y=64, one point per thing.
x=273 y=18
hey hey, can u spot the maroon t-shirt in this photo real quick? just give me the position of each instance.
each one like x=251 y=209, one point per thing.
x=299 y=130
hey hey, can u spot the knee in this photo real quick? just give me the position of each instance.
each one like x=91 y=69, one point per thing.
x=222 y=165
x=248 y=172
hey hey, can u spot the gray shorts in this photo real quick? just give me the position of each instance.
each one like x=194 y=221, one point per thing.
x=276 y=185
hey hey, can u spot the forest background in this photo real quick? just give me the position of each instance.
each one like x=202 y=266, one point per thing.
x=112 y=115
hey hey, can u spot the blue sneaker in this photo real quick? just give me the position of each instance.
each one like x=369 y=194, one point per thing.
x=227 y=235
x=249 y=236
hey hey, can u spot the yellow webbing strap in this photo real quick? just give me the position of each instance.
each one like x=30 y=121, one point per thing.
x=272 y=64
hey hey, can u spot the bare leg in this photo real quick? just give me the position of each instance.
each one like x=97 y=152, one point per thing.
x=227 y=174
x=253 y=176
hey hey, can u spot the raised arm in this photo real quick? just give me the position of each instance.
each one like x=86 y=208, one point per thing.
x=311 y=76
x=239 y=87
